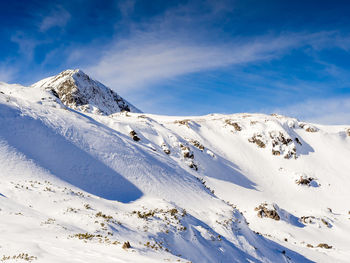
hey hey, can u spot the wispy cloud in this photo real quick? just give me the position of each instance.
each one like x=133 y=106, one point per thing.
x=148 y=57
x=180 y=41
x=26 y=44
x=325 y=111
x=153 y=49
x=57 y=18
x=7 y=72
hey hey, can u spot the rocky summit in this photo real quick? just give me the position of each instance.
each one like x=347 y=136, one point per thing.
x=78 y=91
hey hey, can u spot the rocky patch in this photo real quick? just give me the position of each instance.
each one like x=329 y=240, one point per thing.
x=78 y=91
x=235 y=125
x=305 y=180
x=283 y=145
x=134 y=136
x=186 y=152
x=183 y=122
x=324 y=245
x=197 y=144
x=165 y=148
x=258 y=140
x=311 y=220
x=308 y=127
x=188 y=156
x=269 y=211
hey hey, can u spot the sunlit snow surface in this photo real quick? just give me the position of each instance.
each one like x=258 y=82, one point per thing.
x=75 y=185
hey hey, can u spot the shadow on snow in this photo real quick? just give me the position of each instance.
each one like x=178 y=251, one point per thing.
x=63 y=159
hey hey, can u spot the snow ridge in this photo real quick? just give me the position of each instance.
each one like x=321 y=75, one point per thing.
x=101 y=185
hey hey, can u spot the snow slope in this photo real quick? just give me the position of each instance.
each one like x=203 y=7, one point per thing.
x=76 y=184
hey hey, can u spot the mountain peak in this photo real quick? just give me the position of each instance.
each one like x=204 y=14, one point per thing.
x=78 y=91
x=71 y=72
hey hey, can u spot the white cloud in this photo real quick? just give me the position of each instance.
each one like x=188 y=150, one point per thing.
x=324 y=111
x=148 y=57
x=26 y=45
x=7 y=73
x=5 y=76
x=170 y=45
x=57 y=18
x=181 y=41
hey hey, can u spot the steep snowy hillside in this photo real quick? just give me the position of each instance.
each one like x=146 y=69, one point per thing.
x=85 y=185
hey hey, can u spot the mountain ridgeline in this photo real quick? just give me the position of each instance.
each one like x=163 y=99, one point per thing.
x=87 y=177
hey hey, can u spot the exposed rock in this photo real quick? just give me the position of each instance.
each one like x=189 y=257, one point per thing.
x=279 y=139
x=234 y=124
x=265 y=211
x=324 y=245
x=282 y=143
x=307 y=219
x=291 y=153
x=193 y=166
x=183 y=122
x=303 y=180
x=315 y=220
x=165 y=148
x=197 y=144
x=311 y=129
x=78 y=91
x=325 y=222
x=348 y=131
x=298 y=141
x=275 y=152
x=187 y=153
x=134 y=136
x=189 y=156
x=126 y=245
x=257 y=140
x=308 y=127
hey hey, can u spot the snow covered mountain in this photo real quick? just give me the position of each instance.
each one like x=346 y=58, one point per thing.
x=85 y=180
x=77 y=90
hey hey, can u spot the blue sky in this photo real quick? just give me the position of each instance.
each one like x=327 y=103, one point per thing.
x=190 y=57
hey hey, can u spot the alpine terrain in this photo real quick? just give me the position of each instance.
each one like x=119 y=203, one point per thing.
x=85 y=176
